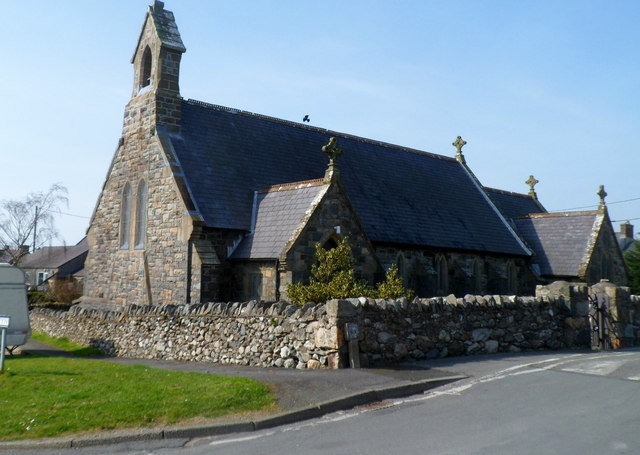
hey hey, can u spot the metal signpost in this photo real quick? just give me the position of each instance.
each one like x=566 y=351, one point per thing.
x=5 y=321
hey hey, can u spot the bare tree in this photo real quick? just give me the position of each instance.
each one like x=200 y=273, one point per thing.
x=30 y=220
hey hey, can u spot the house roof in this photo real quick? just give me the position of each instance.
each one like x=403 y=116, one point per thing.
x=279 y=211
x=5 y=256
x=55 y=257
x=401 y=195
x=514 y=204
x=560 y=240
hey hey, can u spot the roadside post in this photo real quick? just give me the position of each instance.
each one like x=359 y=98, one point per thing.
x=5 y=321
x=353 y=333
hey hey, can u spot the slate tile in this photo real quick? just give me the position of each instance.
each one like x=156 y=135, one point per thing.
x=226 y=156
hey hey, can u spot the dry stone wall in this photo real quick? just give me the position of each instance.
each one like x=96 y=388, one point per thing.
x=253 y=333
x=440 y=327
x=313 y=336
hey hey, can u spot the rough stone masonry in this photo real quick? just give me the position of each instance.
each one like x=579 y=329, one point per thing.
x=312 y=336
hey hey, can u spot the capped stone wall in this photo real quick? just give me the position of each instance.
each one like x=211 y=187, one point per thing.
x=313 y=336
x=279 y=335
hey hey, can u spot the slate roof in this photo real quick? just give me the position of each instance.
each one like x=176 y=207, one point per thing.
x=401 y=195
x=68 y=259
x=560 y=240
x=514 y=204
x=279 y=211
x=166 y=26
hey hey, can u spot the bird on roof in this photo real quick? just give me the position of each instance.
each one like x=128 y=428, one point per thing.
x=306 y=118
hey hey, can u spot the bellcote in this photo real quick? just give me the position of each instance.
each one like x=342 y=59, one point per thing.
x=156 y=59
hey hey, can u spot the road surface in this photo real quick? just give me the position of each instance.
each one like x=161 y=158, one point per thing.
x=561 y=403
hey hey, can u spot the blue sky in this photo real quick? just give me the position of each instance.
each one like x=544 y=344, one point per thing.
x=548 y=88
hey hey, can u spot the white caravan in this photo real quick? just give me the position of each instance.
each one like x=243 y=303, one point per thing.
x=13 y=303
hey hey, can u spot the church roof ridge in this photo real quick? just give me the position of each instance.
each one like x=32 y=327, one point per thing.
x=508 y=193
x=315 y=128
x=558 y=214
x=291 y=186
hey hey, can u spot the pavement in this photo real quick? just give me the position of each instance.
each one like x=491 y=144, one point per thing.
x=300 y=394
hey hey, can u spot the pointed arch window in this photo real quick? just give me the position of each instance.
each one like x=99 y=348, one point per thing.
x=125 y=217
x=141 y=215
x=145 y=73
x=442 y=271
x=330 y=244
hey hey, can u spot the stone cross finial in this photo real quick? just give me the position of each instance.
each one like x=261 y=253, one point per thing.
x=532 y=181
x=333 y=152
x=603 y=194
x=458 y=144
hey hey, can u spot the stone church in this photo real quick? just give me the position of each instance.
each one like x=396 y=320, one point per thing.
x=207 y=203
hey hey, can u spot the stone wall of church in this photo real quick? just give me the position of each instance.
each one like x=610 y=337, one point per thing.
x=254 y=280
x=214 y=280
x=467 y=273
x=333 y=220
x=156 y=273
x=606 y=260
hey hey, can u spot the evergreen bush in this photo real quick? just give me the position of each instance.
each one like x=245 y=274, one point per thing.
x=333 y=277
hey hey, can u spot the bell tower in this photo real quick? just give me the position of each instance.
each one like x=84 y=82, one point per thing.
x=156 y=64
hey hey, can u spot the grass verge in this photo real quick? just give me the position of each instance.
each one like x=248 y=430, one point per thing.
x=54 y=396
x=66 y=345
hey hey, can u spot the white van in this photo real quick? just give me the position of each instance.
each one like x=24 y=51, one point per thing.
x=13 y=303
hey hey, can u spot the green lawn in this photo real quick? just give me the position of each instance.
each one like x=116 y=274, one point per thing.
x=53 y=396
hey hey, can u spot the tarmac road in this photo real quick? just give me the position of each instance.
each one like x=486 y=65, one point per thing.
x=558 y=403
x=550 y=403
